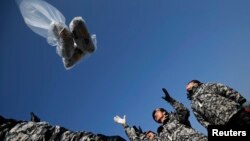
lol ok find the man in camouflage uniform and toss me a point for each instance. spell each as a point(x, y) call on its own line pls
point(174, 126)
point(135, 134)
point(215, 104)
point(182, 113)
point(16, 130)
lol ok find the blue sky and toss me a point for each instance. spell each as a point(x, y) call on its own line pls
point(143, 46)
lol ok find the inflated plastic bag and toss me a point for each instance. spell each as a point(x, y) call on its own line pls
point(48, 22)
point(39, 15)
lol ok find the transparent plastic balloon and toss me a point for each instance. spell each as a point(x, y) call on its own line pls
point(39, 15)
point(72, 44)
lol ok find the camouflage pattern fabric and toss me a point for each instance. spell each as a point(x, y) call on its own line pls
point(176, 128)
point(173, 130)
point(134, 135)
point(215, 103)
point(14, 130)
point(181, 112)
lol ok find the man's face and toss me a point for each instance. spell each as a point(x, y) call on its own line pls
point(190, 86)
point(150, 135)
point(158, 116)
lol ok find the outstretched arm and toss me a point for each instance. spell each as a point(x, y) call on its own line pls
point(133, 133)
point(181, 111)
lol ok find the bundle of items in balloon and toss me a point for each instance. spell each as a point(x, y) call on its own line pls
point(72, 43)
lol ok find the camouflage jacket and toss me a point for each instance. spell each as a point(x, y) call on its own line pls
point(135, 135)
point(14, 130)
point(173, 130)
point(181, 112)
point(215, 103)
point(176, 128)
